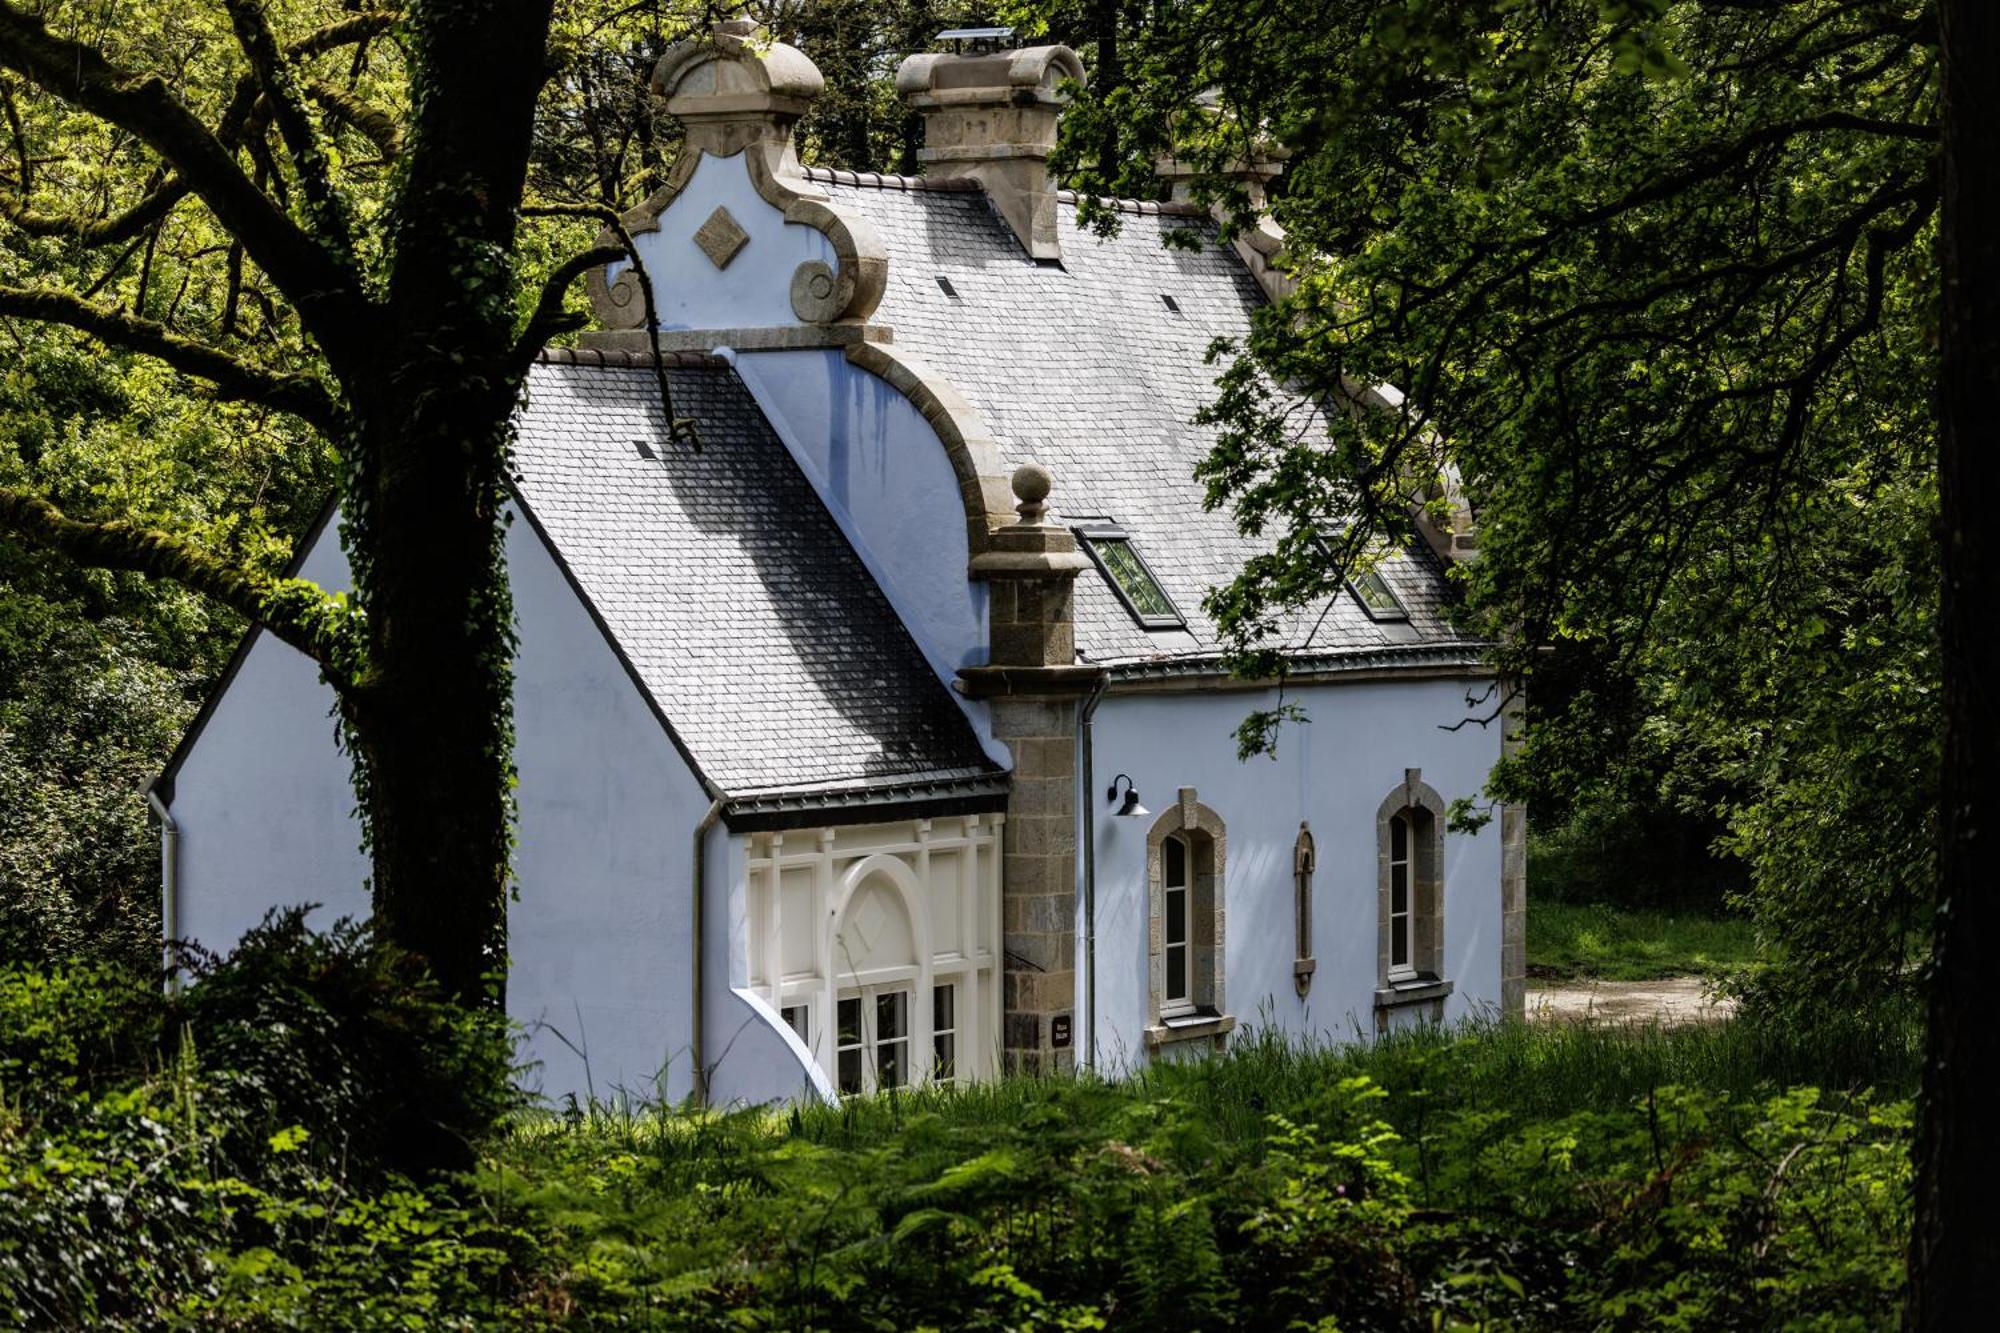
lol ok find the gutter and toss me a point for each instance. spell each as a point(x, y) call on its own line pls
point(698, 886)
point(1087, 833)
point(170, 878)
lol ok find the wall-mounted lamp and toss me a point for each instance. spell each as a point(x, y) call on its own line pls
point(1131, 805)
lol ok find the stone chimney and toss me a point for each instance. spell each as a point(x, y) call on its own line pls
point(1261, 248)
point(991, 117)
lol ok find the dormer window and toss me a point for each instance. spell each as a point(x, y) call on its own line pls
point(1372, 591)
point(1129, 575)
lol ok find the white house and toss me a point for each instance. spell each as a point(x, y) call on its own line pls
point(883, 738)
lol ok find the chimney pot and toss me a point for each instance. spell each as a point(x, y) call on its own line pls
point(991, 117)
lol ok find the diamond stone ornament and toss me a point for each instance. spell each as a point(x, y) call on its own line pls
point(721, 237)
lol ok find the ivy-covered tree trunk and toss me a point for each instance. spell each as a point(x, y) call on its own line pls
point(415, 314)
point(1955, 1248)
point(431, 724)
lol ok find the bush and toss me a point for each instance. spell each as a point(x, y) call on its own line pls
point(237, 1151)
point(347, 1038)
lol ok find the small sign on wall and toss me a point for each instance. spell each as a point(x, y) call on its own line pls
point(1059, 1031)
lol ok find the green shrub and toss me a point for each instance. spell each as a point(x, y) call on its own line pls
point(235, 1153)
point(344, 1036)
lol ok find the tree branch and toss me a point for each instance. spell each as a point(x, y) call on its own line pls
point(326, 207)
point(326, 291)
point(301, 395)
point(679, 429)
point(325, 628)
point(549, 318)
point(95, 231)
point(370, 122)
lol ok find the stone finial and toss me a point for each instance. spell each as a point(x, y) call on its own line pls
point(1031, 487)
point(735, 87)
point(992, 118)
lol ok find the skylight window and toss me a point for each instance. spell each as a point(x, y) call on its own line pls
point(1129, 575)
point(1372, 591)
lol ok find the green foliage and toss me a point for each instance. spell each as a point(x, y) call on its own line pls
point(1656, 282)
point(226, 1157)
point(1518, 1177)
point(195, 1156)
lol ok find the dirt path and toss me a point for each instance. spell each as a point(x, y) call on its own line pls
point(1676, 1000)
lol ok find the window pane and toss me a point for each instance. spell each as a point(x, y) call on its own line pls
point(1372, 591)
point(889, 1064)
point(795, 1018)
point(1399, 941)
point(892, 1015)
point(1177, 972)
point(943, 1004)
point(1177, 916)
point(1399, 839)
point(850, 1022)
point(1133, 578)
point(850, 1070)
point(1399, 889)
point(944, 1064)
point(1174, 851)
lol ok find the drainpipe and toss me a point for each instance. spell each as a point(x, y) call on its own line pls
point(1087, 813)
point(698, 881)
point(170, 878)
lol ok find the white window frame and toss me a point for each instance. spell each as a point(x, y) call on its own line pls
point(939, 1071)
point(1183, 948)
point(871, 1041)
point(1400, 923)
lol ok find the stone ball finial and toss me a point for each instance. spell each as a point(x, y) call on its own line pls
point(1032, 482)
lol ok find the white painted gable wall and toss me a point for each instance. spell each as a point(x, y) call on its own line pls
point(600, 936)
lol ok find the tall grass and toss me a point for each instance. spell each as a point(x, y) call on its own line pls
point(1631, 944)
point(1526, 1071)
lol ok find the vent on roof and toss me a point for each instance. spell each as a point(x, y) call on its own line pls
point(944, 285)
point(1129, 574)
point(1171, 303)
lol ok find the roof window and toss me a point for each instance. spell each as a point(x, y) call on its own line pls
point(944, 285)
point(1372, 591)
point(1129, 575)
point(1171, 304)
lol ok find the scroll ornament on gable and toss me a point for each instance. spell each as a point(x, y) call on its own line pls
point(735, 91)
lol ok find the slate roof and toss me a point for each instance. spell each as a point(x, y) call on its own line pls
point(1084, 368)
point(741, 608)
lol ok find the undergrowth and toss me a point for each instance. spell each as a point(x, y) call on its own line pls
point(229, 1158)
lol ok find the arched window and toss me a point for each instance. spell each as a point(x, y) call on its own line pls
point(1410, 835)
point(1303, 857)
point(1185, 857)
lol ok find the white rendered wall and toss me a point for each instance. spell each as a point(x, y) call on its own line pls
point(263, 800)
point(601, 936)
point(1333, 772)
point(756, 289)
point(889, 484)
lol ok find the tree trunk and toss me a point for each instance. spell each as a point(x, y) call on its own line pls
point(1109, 74)
point(432, 729)
point(1955, 1244)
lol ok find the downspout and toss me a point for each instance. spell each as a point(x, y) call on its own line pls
point(1087, 834)
point(699, 886)
point(170, 878)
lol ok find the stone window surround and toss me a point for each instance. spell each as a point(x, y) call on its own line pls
point(1206, 920)
point(1305, 859)
point(1424, 983)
